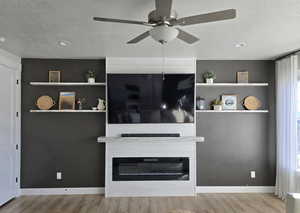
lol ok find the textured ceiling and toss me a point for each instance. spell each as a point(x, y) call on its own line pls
point(32, 28)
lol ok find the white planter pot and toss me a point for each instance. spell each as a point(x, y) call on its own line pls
point(218, 107)
point(91, 80)
point(209, 80)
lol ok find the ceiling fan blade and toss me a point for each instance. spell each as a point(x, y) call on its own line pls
point(163, 8)
point(209, 17)
point(139, 38)
point(188, 38)
point(121, 21)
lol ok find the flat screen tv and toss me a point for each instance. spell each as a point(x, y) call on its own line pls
point(150, 98)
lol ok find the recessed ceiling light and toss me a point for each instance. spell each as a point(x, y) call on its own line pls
point(64, 43)
point(241, 44)
point(2, 39)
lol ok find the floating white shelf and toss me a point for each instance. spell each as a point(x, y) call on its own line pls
point(235, 111)
point(66, 84)
point(232, 84)
point(150, 139)
point(89, 111)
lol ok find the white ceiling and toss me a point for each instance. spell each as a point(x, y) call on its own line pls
point(32, 28)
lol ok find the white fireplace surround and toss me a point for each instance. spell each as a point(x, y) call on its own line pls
point(150, 65)
point(150, 147)
point(183, 146)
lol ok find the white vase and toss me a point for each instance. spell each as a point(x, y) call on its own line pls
point(209, 80)
point(101, 104)
point(91, 80)
point(217, 107)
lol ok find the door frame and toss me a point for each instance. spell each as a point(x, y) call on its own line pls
point(18, 132)
point(13, 63)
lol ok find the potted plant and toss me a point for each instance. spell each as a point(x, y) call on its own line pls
point(209, 77)
point(91, 76)
point(217, 105)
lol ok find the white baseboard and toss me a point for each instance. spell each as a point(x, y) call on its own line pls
point(62, 191)
point(235, 189)
point(101, 190)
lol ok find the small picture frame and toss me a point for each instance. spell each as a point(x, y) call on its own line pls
point(67, 101)
point(54, 76)
point(229, 102)
point(242, 77)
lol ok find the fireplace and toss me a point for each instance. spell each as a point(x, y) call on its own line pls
point(150, 169)
point(150, 166)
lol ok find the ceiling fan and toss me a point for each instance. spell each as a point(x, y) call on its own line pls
point(164, 22)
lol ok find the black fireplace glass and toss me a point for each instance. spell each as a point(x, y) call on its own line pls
point(150, 168)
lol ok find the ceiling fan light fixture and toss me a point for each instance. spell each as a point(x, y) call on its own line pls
point(163, 33)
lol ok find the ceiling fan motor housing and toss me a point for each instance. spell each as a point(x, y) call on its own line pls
point(155, 18)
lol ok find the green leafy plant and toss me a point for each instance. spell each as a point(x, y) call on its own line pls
point(90, 74)
point(209, 74)
point(216, 102)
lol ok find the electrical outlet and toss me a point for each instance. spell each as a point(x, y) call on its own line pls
point(252, 174)
point(58, 175)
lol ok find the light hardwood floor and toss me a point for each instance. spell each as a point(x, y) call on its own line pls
point(203, 203)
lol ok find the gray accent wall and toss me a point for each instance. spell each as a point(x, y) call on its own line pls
point(64, 142)
point(235, 143)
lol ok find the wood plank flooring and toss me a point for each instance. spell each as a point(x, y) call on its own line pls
point(203, 203)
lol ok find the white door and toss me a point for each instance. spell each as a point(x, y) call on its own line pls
point(7, 134)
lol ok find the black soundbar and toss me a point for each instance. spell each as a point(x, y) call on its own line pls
point(151, 135)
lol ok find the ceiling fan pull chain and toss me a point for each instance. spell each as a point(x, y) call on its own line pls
point(163, 60)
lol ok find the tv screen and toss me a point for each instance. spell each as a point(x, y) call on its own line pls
point(150, 98)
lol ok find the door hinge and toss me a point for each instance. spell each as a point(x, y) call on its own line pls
point(17, 146)
point(17, 179)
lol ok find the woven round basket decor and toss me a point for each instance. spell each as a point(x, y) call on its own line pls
point(252, 103)
point(45, 102)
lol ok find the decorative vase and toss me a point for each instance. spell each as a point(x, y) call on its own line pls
point(91, 80)
point(209, 80)
point(101, 104)
point(80, 106)
point(217, 107)
point(200, 103)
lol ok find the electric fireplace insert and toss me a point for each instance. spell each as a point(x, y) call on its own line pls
point(150, 169)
